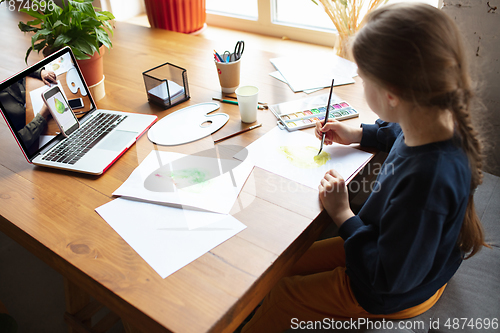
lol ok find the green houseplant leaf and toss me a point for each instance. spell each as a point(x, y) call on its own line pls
point(77, 24)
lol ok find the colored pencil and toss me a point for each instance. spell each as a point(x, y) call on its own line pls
point(224, 100)
point(261, 103)
point(218, 56)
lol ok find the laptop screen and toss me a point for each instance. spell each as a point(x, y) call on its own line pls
point(24, 108)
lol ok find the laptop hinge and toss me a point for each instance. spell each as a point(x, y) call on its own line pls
point(49, 147)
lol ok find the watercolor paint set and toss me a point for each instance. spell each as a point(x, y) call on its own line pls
point(308, 118)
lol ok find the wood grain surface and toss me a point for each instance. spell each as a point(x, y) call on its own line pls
point(51, 213)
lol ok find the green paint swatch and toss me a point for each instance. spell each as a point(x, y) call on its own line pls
point(304, 157)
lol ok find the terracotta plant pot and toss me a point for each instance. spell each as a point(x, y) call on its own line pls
point(93, 68)
point(185, 16)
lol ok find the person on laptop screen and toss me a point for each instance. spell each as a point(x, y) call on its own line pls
point(89, 143)
point(13, 99)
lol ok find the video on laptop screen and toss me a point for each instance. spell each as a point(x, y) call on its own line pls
point(23, 107)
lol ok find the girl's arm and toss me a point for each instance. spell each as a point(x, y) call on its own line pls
point(396, 244)
point(32, 131)
point(380, 135)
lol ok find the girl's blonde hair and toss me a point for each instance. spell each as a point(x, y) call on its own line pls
point(416, 52)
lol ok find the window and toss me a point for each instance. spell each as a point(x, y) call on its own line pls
point(302, 13)
point(246, 9)
point(297, 19)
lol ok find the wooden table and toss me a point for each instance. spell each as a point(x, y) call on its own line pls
point(51, 213)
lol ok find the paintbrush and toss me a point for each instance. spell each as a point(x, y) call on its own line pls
point(326, 116)
point(237, 133)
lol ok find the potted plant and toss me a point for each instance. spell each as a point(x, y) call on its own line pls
point(76, 24)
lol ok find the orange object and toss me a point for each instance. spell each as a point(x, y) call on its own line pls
point(93, 68)
point(185, 16)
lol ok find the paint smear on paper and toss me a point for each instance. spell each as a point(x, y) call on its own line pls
point(304, 157)
point(189, 177)
point(195, 173)
point(191, 180)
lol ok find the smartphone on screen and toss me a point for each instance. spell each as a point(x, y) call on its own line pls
point(60, 110)
point(76, 103)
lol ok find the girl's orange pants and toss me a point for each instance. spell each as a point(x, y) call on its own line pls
point(316, 289)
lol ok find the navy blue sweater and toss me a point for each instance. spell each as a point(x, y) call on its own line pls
point(402, 246)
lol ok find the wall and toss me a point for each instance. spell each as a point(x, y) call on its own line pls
point(96, 3)
point(122, 9)
point(479, 21)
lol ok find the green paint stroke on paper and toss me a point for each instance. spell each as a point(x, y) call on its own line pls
point(188, 177)
point(190, 180)
point(304, 157)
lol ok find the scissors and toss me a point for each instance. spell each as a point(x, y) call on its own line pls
point(238, 50)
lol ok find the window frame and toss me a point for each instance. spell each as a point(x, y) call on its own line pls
point(264, 25)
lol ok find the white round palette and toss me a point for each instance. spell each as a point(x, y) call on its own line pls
point(187, 125)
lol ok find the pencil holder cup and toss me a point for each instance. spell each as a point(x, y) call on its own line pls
point(229, 75)
point(166, 85)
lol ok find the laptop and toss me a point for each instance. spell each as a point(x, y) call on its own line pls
point(98, 140)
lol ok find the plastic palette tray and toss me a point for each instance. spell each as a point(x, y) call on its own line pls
point(308, 118)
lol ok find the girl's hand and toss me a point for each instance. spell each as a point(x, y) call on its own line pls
point(334, 198)
point(335, 131)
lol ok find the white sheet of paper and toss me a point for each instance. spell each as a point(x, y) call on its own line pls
point(160, 234)
point(160, 91)
point(315, 72)
point(277, 75)
point(291, 155)
point(190, 181)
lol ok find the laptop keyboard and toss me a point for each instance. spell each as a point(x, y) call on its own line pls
point(70, 150)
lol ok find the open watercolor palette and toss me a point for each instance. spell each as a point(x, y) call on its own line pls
point(308, 118)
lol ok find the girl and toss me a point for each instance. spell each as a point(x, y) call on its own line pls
point(394, 258)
